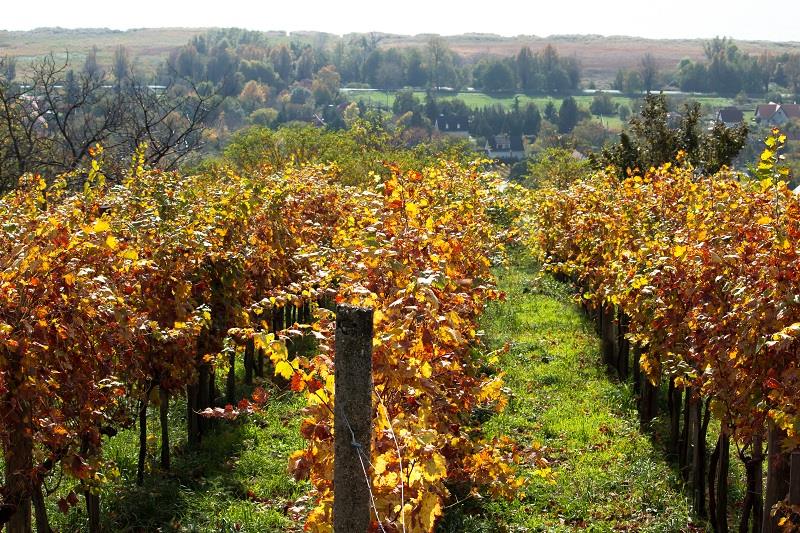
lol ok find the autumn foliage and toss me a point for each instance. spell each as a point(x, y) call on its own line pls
point(163, 280)
point(707, 271)
point(417, 249)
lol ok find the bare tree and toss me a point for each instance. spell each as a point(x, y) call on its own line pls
point(49, 123)
point(169, 120)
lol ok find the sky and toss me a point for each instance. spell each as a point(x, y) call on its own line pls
point(740, 19)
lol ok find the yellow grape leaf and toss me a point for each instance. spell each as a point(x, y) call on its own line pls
point(429, 224)
point(426, 369)
point(380, 464)
point(320, 519)
point(491, 391)
point(131, 254)
point(412, 209)
point(112, 242)
point(278, 351)
point(764, 220)
point(284, 369)
point(100, 225)
point(679, 251)
point(434, 468)
point(69, 279)
point(430, 509)
point(318, 397)
point(262, 341)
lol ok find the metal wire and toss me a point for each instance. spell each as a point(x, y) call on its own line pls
point(361, 453)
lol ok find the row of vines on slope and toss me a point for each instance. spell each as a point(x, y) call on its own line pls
point(417, 250)
point(703, 276)
point(164, 280)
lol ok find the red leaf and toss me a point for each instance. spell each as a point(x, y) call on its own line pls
point(297, 384)
point(314, 385)
point(259, 396)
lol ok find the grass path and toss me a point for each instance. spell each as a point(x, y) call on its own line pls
point(607, 476)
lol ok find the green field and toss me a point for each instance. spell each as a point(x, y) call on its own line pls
point(385, 99)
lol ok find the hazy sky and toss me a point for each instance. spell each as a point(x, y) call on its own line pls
point(742, 19)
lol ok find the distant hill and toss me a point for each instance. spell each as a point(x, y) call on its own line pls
point(150, 45)
point(600, 56)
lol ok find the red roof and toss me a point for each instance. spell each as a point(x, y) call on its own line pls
point(766, 110)
point(791, 110)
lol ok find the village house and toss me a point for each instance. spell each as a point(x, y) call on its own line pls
point(730, 116)
point(453, 125)
point(505, 146)
point(776, 114)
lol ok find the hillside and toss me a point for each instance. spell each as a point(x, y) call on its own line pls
point(149, 45)
point(600, 56)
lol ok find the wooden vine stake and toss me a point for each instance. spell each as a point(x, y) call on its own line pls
point(352, 419)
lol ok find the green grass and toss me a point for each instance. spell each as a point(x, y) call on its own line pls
point(607, 475)
point(385, 99)
point(236, 480)
point(476, 99)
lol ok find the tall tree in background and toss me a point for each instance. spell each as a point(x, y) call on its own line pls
point(550, 112)
point(281, 59)
point(121, 65)
point(649, 71)
point(9, 68)
point(525, 63)
point(567, 115)
point(497, 77)
point(90, 65)
point(441, 63)
point(652, 142)
point(254, 95)
point(791, 68)
point(325, 86)
point(416, 75)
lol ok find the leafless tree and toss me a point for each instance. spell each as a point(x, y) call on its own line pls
point(51, 120)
